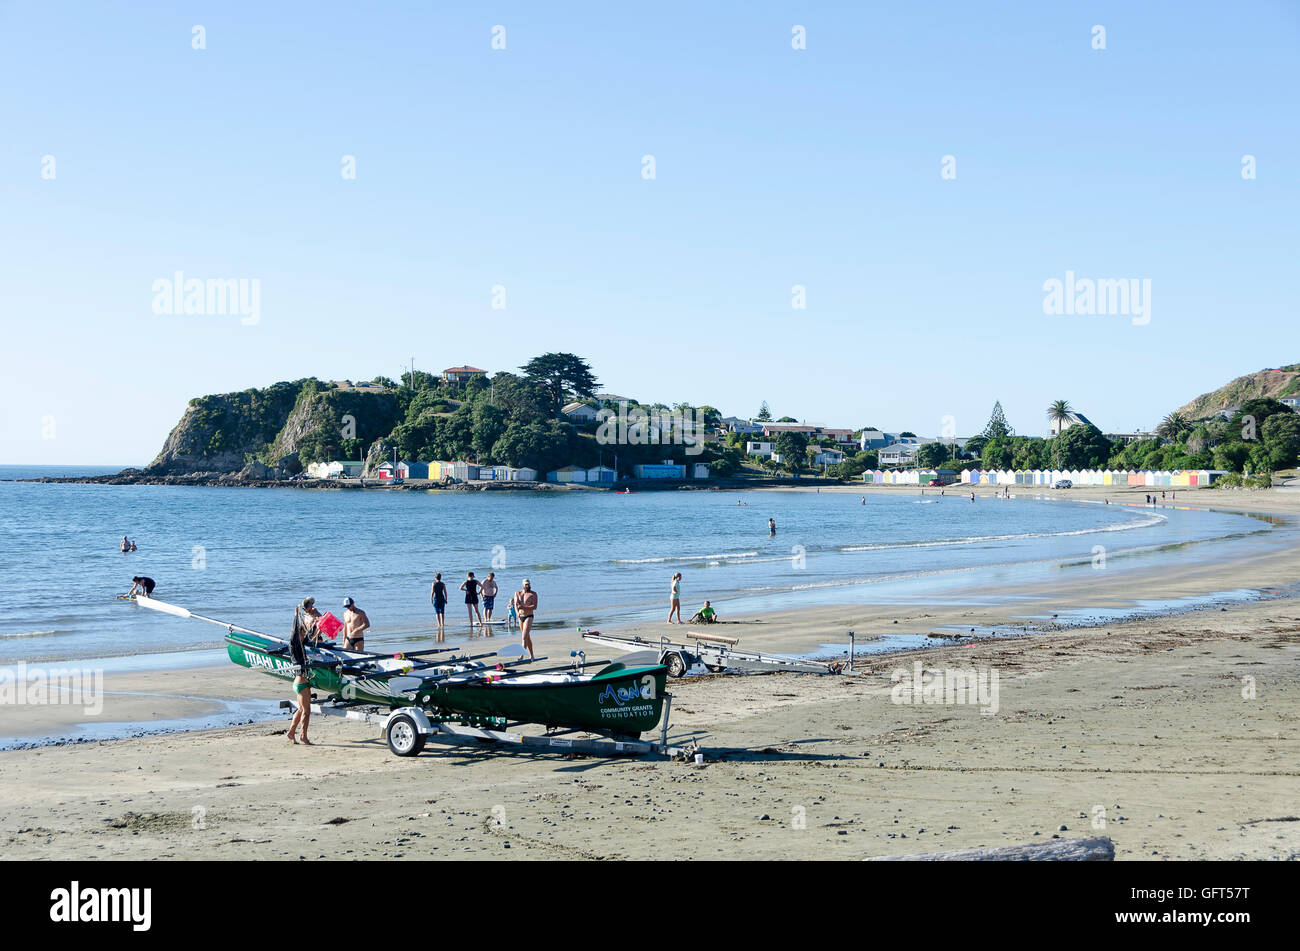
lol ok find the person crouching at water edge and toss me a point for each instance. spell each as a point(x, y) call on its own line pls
point(675, 599)
point(355, 624)
point(524, 603)
point(303, 627)
point(144, 585)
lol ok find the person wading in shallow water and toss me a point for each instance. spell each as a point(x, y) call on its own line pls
point(524, 602)
point(355, 625)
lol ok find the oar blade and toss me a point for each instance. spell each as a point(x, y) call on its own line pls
point(162, 606)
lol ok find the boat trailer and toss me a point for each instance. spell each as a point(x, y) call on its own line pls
point(714, 652)
point(407, 729)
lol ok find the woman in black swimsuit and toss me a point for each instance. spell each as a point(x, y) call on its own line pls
point(470, 587)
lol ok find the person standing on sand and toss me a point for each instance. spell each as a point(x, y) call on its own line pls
point(438, 598)
point(675, 602)
point(355, 623)
point(302, 675)
point(489, 591)
point(470, 587)
point(524, 603)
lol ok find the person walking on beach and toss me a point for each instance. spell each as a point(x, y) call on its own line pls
point(489, 591)
point(524, 603)
point(303, 626)
point(438, 598)
point(675, 602)
point(144, 585)
point(355, 624)
point(470, 587)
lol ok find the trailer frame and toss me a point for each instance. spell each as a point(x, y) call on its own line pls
point(714, 652)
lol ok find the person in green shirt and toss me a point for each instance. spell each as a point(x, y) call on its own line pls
point(705, 615)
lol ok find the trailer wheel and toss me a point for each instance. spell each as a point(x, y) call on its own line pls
point(404, 738)
point(676, 664)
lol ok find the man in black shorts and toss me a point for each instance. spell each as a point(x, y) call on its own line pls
point(144, 585)
point(438, 597)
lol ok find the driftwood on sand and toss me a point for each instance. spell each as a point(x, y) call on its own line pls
point(1098, 849)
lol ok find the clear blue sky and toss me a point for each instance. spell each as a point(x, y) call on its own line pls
point(522, 167)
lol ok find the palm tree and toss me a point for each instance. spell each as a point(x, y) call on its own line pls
point(1173, 426)
point(1059, 412)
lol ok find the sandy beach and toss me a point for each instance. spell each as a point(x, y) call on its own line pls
point(1174, 735)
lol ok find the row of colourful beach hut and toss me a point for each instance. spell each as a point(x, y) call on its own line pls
point(908, 476)
point(1121, 477)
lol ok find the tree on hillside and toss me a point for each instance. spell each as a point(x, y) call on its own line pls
point(559, 374)
point(787, 419)
point(997, 427)
point(764, 414)
point(1059, 412)
point(1173, 426)
point(933, 454)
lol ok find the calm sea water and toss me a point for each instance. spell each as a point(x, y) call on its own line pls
point(248, 555)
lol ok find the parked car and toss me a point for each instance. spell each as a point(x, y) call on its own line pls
point(938, 482)
point(1063, 484)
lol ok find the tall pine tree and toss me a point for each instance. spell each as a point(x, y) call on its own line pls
point(998, 427)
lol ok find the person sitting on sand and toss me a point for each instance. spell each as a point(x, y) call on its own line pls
point(355, 623)
point(705, 615)
point(144, 585)
point(302, 675)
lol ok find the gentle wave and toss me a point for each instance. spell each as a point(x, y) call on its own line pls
point(727, 556)
point(31, 634)
point(976, 539)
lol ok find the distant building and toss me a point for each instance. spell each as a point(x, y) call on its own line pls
point(1126, 438)
point(1292, 401)
point(759, 448)
point(1071, 419)
point(662, 471)
point(579, 412)
point(827, 457)
point(462, 374)
point(699, 470)
point(567, 474)
point(874, 439)
point(734, 424)
point(898, 454)
point(601, 474)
